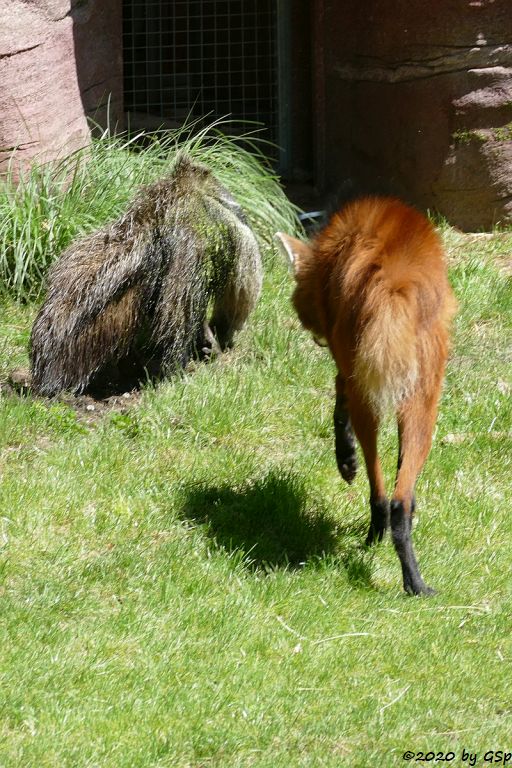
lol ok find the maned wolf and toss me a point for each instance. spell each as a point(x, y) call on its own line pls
point(373, 285)
point(133, 298)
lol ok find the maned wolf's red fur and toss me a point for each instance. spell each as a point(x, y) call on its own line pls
point(373, 284)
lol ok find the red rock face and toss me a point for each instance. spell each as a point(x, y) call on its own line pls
point(474, 186)
point(420, 94)
point(41, 111)
point(97, 33)
point(412, 92)
point(60, 60)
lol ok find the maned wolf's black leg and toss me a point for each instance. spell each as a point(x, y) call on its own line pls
point(379, 520)
point(380, 516)
point(401, 524)
point(345, 445)
point(366, 425)
point(416, 421)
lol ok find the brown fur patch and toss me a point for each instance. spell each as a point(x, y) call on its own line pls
point(133, 298)
point(375, 286)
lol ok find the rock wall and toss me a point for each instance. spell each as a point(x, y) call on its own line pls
point(97, 31)
point(419, 94)
point(416, 93)
point(59, 60)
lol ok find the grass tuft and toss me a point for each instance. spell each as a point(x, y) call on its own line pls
point(58, 202)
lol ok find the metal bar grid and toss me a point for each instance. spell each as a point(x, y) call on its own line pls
point(202, 58)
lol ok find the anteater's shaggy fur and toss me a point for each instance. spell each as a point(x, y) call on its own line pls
point(132, 299)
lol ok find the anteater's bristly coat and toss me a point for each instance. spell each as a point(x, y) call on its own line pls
point(135, 295)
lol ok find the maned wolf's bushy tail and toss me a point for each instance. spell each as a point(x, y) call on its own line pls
point(140, 288)
point(396, 286)
point(386, 361)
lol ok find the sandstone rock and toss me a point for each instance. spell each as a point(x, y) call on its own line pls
point(99, 59)
point(422, 98)
point(474, 186)
point(60, 61)
point(41, 111)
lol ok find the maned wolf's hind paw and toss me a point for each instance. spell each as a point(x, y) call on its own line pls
point(379, 520)
point(416, 587)
point(375, 534)
point(348, 468)
point(346, 457)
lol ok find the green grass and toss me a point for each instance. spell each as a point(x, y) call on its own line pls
point(56, 203)
point(182, 583)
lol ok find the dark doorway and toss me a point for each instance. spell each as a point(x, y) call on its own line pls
point(202, 59)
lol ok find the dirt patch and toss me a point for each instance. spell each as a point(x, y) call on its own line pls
point(88, 409)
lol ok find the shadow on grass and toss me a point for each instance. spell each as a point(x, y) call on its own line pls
point(276, 523)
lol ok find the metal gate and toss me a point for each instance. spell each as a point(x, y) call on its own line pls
point(202, 58)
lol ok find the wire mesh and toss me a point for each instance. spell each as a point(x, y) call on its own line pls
point(202, 57)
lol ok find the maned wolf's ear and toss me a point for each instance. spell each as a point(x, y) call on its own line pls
point(297, 251)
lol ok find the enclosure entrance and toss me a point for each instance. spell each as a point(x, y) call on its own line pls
point(200, 59)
